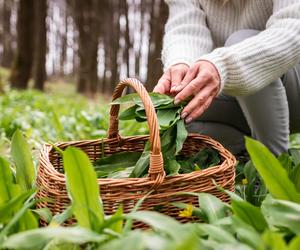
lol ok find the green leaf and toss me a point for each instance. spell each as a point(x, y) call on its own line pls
point(295, 155)
point(273, 240)
point(158, 222)
point(157, 99)
point(142, 164)
point(294, 243)
point(44, 213)
point(58, 219)
point(23, 218)
point(166, 117)
point(273, 174)
point(212, 208)
point(181, 135)
point(246, 234)
point(216, 233)
point(287, 162)
point(117, 161)
point(7, 209)
point(171, 166)
point(117, 225)
point(21, 155)
point(249, 214)
point(282, 213)
point(8, 189)
point(295, 177)
point(83, 187)
point(128, 114)
point(37, 238)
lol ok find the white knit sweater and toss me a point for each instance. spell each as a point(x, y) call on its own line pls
point(198, 29)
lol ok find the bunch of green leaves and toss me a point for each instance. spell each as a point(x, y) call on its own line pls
point(238, 225)
point(55, 116)
point(173, 134)
point(17, 181)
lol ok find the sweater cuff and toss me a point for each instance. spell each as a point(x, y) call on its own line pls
point(219, 64)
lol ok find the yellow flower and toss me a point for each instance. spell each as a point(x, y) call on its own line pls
point(187, 212)
point(245, 181)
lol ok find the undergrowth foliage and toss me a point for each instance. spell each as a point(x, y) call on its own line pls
point(263, 214)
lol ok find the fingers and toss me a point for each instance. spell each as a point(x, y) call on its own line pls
point(196, 102)
point(190, 75)
point(177, 74)
point(191, 89)
point(164, 84)
point(199, 110)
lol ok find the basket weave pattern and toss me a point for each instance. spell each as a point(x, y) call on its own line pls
point(52, 183)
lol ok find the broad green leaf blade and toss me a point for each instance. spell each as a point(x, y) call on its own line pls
point(273, 174)
point(21, 155)
point(44, 213)
point(216, 233)
point(58, 219)
point(212, 208)
point(83, 188)
point(157, 99)
point(273, 240)
point(181, 135)
point(295, 155)
point(18, 216)
point(246, 234)
point(166, 117)
point(128, 114)
point(142, 164)
point(8, 189)
point(8, 208)
point(117, 161)
point(249, 214)
point(37, 238)
point(158, 222)
point(282, 213)
point(294, 243)
point(117, 225)
point(295, 177)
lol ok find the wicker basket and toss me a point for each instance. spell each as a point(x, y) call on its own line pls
point(52, 183)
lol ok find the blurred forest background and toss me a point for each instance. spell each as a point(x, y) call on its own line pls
point(91, 43)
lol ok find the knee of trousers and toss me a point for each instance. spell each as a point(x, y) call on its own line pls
point(240, 35)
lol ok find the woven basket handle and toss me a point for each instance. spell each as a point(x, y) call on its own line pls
point(156, 170)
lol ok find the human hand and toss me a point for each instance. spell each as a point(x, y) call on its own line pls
point(202, 83)
point(171, 78)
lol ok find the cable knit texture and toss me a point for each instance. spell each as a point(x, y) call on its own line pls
point(198, 29)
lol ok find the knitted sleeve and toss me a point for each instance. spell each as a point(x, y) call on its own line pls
point(250, 65)
point(186, 34)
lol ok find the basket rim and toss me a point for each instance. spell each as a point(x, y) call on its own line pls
point(229, 161)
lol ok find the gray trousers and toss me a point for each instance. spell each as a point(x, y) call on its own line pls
point(269, 115)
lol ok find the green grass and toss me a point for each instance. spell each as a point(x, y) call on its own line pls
point(58, 114)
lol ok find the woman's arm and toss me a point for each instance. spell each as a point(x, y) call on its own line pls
point(250, 65)
point(186, 34)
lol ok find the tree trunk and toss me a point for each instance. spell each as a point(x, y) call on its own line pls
point(115, 46)
point(40, 44)
point(126, 52)
point(87, 21)
point(21, 70)
point(7, 56)
point(157, 23)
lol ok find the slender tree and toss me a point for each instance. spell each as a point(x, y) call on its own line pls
point(39, 73)
point(157, 21)
point(7, 55)
point(87, 21)
point(23, 60)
